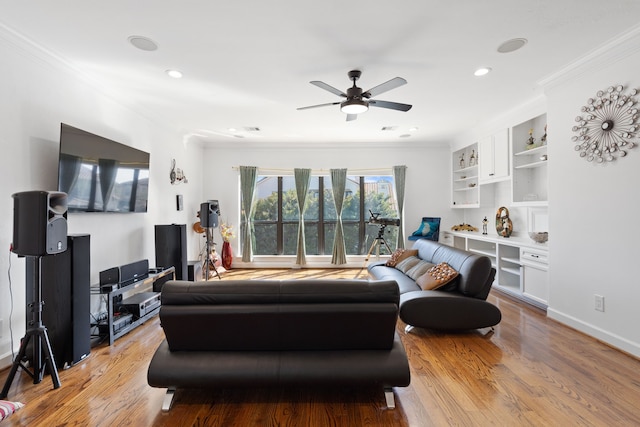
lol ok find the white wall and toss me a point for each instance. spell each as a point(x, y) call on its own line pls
point(427, 186)
point(594, 208)
point(37, 93)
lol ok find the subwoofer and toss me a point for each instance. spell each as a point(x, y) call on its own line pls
point(171, 248)
point(39, 223)
point(66, 286)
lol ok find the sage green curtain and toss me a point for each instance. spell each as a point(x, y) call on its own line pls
point(399, 176)
point(303, 180)
point(338, 185)
point(248, 176)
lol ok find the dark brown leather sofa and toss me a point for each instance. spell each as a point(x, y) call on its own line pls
point(263, 333)
point(456, 306)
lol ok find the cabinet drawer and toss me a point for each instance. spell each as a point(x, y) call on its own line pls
point(534, 257)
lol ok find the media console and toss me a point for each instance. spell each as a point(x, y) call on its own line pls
point(134, 310)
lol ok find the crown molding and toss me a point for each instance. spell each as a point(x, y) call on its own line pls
point(612, 51)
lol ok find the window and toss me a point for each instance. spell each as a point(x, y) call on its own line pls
point(276, 214)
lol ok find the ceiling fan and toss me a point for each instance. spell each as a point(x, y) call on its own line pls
point(358, 101)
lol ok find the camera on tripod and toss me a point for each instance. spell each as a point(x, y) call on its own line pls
point(375, 219)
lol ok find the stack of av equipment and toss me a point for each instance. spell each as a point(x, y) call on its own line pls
point(65, 279)
point(140, 304)
point(171, 248)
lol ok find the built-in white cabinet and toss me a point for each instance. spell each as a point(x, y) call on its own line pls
point(494, 157)
point(529, 176)
point(521, 264)
point(535, 282)
point(465, 192)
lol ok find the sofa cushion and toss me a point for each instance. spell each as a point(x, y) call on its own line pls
point(399, 255)
point(437, 276)
point(419, 269)
point(407, 264)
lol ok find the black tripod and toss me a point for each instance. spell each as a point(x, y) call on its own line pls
point(377, 242)
point(37, 331)
point(209, 263)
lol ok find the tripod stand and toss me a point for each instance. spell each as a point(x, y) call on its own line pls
point(377, 241)
point(209, 263)
point(38, 332)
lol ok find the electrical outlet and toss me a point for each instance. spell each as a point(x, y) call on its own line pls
point(599, 302)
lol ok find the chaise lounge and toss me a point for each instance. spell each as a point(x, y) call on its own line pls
point(458, 305)
point(268, 333)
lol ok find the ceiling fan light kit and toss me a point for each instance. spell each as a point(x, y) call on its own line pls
point(358, 101)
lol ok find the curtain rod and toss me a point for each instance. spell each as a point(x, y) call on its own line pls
point(290, 170)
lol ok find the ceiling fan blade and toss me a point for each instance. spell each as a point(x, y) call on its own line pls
point(319, 105)
point(390, 105)
point(384, 87)
point(351, 117)
point(323, 85)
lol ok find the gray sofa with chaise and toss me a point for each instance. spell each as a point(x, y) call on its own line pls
point(264, 333)
point(458, 305)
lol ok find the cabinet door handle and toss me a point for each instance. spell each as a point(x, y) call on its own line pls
point(491, 174)
point(535, 256)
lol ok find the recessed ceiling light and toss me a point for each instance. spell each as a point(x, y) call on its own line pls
point(512, 45)
point(413, 129)
point(174, 73)
point(232, 129)
point(482, 71)
point(143, 43)
point(404, 135)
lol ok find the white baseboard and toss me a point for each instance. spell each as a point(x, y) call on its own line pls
point(607, 337)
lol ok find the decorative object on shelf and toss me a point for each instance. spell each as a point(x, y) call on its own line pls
point(485, 222)
point(226, 231)
point(472, 158)
point(504, 226)
point(607, 125)
point(176, 175)
point(543, 158)
point(531, 141)
point(538, 236)
point(543, 138)
point(464, 227)
point(472, 184)
point(462, 161)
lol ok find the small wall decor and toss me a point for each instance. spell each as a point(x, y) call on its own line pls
point(176, 175)
point(504, 226)
point(607, 125)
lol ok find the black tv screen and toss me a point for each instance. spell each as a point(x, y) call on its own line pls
point(101, 175)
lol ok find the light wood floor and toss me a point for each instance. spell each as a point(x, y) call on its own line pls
point(531, 371)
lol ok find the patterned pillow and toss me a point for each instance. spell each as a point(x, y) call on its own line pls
point(7, 408)
point(400, 254)
point(437, 276)
point(427, 229)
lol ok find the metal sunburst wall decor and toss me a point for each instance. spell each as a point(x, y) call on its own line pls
point(607, 125)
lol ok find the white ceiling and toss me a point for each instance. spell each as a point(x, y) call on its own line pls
point(248, 63)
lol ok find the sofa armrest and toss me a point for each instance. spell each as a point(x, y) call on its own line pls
point(447, 311)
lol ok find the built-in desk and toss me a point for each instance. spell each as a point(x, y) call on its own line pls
point(114, 328)
point(520, 263)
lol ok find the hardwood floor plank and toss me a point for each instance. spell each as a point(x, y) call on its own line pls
point(531, 371)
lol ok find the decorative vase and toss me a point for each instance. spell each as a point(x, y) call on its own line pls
point(504, 226)
point(227, 255)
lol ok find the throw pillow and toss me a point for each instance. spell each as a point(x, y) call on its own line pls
point(426, 230)
point(437, 276)
point(419, 269)
point(7, 408)
point(400, 254)
point(407, 264)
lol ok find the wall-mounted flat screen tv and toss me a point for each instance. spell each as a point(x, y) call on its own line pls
point(101, 175)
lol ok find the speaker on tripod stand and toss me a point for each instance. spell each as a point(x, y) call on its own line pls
point(39, 229)
point(209, 212)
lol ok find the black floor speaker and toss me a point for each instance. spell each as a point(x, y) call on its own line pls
point(171, 248)
point(65, 283)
